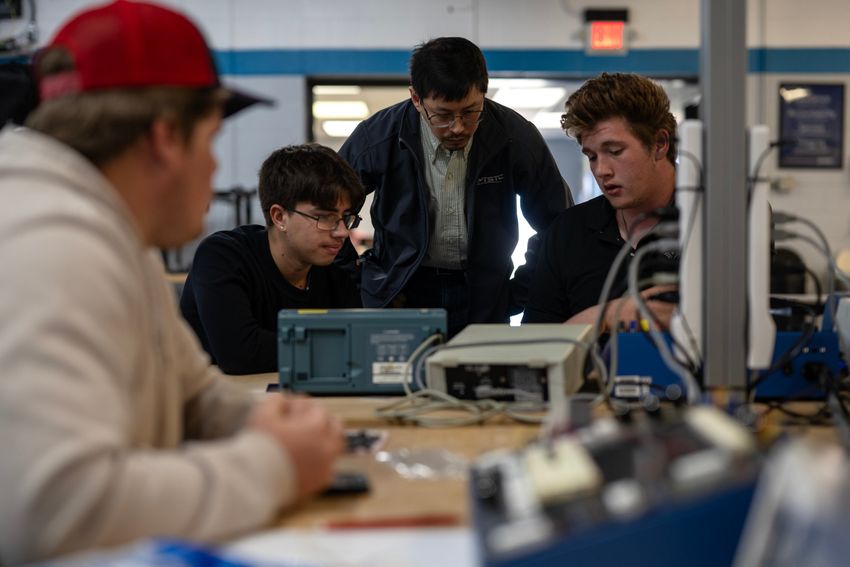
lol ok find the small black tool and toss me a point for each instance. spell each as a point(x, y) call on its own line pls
point(364, 440)
point(347, 483)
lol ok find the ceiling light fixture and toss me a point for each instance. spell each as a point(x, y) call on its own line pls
point(339, 128)
point(340, 109)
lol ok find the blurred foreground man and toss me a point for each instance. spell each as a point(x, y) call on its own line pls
point(112, 424)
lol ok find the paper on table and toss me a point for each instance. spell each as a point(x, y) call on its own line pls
point(446, 547)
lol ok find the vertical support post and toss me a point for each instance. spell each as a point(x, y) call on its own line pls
point(723, 71)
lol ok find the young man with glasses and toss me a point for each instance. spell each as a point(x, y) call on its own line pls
point(241, 278)
point(446, 168)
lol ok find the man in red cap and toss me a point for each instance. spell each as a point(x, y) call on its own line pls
point(112, 424)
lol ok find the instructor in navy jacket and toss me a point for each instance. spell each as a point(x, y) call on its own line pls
point(446, 168)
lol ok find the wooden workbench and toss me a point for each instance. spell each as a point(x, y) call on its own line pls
point(392, 495)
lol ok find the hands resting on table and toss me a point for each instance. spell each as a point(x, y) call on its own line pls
point(307, 431)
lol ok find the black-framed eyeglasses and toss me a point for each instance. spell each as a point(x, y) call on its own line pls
point(330, 222)
point(447, 119)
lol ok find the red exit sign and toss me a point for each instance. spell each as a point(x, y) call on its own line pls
point(607, 36)
point(606, 31)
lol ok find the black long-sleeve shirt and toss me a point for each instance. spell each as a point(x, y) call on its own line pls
point(234, 291)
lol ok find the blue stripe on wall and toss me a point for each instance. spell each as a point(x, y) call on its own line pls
point(802, 60)
point(312, 62)
point(656, 62)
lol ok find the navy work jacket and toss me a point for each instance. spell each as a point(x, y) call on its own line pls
point(508, 158)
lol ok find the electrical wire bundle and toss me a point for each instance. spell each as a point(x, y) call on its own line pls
point(821, 245)
point(835, 409)
point(827, 384)
point(686, 369)
point(835, 388)
point(418, 406)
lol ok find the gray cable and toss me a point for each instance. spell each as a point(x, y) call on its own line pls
point(415, 406)
point(834, 270)
point(615, 340)
point(693, 389)
point(827, 254)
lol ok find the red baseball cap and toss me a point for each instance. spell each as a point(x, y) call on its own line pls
point(128, 44)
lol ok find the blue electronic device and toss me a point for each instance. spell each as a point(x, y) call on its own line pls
point(703, 532)
point(671, 489)
point(351, 351)
point(639, 365)
point(794, 381)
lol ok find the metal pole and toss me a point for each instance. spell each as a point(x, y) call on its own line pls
point(723, 71)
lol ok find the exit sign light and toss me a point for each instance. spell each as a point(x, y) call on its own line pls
point(607, 36)
point(606, 32)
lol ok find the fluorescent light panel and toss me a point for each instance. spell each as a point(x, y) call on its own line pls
point(332, 90)
point(340, 109)
point(540, 97)
point(547, 120)
point(339, 128)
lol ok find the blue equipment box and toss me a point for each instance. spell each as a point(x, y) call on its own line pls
point(666, 493)
point(351, 351)
point(704, 532)
point(637, 356)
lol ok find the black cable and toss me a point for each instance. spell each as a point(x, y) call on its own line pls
point(808, 308)
point(756, 175)
point(834, 409)
point(819, 417)
point(794, 350)
point(684, 359)
point(697, 164)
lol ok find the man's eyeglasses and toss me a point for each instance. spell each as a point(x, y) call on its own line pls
point(330, 222)
point(447, 119)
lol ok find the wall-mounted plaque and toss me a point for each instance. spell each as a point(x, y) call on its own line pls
point(811, 125)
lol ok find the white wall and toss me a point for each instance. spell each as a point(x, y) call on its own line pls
point(263, 24)
point(823, 196)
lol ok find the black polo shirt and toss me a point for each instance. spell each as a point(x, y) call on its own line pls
point(574, 258)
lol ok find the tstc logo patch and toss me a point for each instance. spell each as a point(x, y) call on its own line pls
point(490, 179)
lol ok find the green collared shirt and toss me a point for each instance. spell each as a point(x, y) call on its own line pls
point(445, 174)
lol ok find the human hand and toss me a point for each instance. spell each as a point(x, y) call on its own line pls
point(624, 311)
point(311, 436)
